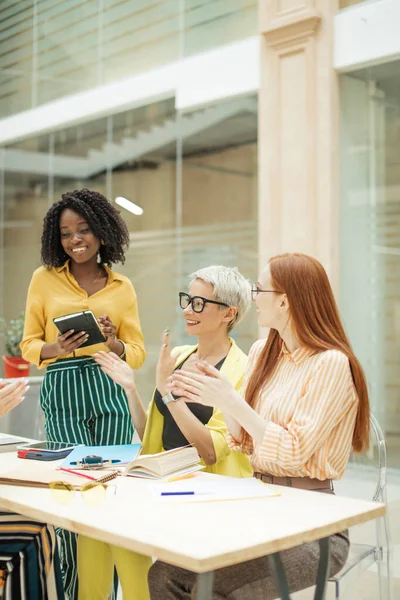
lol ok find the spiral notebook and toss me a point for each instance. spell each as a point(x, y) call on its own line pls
point(39, 477)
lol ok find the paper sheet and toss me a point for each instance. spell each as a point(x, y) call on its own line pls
point(210, 489)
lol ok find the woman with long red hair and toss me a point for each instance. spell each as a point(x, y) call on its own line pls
point(305, 407)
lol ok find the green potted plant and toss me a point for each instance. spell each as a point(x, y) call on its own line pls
point(14, 364)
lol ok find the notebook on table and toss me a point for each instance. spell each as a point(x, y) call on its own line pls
point(40, 475)
point(81, 321)
point(172, 463)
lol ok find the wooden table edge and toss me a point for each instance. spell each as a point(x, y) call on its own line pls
point(198, 565)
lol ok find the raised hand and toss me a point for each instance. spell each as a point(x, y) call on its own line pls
point(116, 368)
point(12, 394)
point(165, 365)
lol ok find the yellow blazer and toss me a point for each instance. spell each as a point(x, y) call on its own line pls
point(232, 463)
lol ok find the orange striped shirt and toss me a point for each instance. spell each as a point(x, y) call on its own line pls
point(310, 406)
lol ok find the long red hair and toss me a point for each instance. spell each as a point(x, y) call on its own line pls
point(317, 325)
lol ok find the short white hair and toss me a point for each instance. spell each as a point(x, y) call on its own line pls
point(229, 287)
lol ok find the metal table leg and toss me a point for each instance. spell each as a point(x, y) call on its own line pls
point(322, 574)
point(323, 569)
point(204, 586)
point(280, 574)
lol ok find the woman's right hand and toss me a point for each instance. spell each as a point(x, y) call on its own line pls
point(12, 394)
point(70, 341)
point(116, 368)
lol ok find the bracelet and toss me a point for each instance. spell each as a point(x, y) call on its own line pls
point(123, 355)
point(169, 398)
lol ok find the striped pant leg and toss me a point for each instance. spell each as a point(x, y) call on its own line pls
point(112, 423)
point(68, 418)
point(67, 415)
point(28, 560)
point(112, 419)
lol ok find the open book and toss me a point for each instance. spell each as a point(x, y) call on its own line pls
point(171, 463)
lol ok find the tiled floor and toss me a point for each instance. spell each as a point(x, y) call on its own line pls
point(360, 483)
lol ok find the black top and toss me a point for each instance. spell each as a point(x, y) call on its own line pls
point(172, 436)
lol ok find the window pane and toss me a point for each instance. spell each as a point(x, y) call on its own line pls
point(370, 234)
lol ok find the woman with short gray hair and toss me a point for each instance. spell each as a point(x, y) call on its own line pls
point(229, 286)
point(218, 298)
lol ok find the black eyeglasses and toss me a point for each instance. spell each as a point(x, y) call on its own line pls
point(198, 302)
point(256, 290)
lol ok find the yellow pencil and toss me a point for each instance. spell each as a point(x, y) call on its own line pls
point(179, 477)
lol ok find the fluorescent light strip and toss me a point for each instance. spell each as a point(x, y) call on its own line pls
point(128, 205)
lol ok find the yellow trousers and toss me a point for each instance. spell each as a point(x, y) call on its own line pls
point(96, 561)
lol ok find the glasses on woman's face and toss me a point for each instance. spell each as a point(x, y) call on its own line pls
point(255, 290)
point(198, 302)
point(93, 493)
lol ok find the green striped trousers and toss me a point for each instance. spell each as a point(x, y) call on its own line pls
point(81, 404)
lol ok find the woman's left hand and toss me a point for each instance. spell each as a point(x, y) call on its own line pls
point(165, 365)
point(206, 386)
point(108, 329)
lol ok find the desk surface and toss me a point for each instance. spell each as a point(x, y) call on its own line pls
point(197, 536)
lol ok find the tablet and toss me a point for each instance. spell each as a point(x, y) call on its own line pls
point(48, 446)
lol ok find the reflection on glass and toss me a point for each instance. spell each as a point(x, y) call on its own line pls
point(62, 48)
point(370, 234)
point(219, 196)
point(25, 204)
point(212, 24)
point(67, 39)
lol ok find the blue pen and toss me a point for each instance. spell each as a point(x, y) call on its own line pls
point(177, 493)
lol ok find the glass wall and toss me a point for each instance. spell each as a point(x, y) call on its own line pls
point(370, 234)
point(50, 49)
point(194, 175)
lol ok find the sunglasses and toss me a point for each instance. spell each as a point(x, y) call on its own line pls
point(198, 302)
point(93, 493)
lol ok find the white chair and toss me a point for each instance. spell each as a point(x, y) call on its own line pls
point(362, 556)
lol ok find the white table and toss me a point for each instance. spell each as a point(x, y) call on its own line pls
point(180, 534)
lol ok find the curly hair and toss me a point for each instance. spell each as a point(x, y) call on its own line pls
point(103, 219)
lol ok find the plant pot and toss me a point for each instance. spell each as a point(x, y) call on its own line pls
point(15, 366)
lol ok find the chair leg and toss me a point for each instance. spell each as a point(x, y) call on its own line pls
point(378, 557)
point(388, 557)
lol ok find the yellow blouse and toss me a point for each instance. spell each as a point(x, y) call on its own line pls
point(310, 406)
point(234, 464)
point(55, 292)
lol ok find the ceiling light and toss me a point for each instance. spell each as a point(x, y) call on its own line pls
point(128, 205)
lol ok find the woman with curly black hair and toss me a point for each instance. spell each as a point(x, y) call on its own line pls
point(83, 236)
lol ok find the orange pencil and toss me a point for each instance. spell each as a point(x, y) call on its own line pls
point(179, 477)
